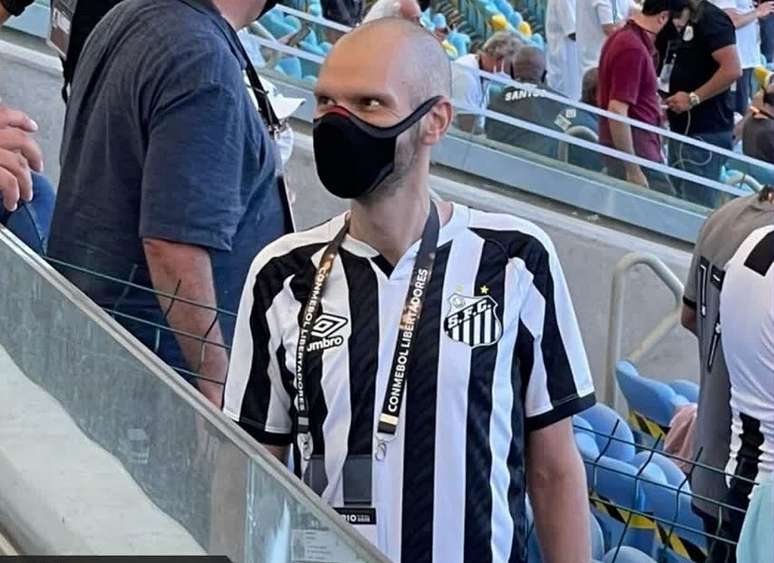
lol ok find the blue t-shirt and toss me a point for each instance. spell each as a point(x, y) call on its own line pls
point(161, 140)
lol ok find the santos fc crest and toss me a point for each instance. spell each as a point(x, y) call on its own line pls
point(473, 320)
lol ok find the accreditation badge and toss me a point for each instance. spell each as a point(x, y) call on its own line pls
point(62, 12)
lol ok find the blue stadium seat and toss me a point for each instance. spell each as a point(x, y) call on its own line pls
point(439, 21)
point(674, 475)
point(276, 24)
point(515, 19)
point(652, 404)
point(615, 482)
point(688, 389)
point(291, 66)
point(460, 41)
point(582, 426)
point(293, 22)
point(606, 421)
point(678, 542)
point(627, 555)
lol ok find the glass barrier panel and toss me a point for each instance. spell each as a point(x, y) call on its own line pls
point(109, 416)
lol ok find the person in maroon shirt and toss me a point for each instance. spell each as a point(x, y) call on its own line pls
point(628, 86)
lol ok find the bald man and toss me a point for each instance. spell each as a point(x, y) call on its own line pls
point(421, 359)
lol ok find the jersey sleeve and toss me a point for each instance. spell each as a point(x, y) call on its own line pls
point(555, 377)
point(718, 30)
point(689, 291)
point(567, 18)
point(255, 395)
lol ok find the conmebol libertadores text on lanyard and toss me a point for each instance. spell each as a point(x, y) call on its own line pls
point(409, 321)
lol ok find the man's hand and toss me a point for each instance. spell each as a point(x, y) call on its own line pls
point(19, 154)
point(679, 103)
point(764, 9)
point(635, 175)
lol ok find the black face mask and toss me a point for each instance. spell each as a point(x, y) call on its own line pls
point(352, 156)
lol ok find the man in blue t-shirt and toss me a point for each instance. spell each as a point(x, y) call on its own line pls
point(168, 176)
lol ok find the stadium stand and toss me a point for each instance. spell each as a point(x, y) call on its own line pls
point(639, 498)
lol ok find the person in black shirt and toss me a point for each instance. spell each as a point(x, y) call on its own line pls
point(699, 63)
point(531, 106)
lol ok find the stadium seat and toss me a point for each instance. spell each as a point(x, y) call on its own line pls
point(291, 66)
point(276, 24)
point(627, 555)
point(677, 542)
point(294, 22)
point(605, 421)
point(616, 489)
point(674, 475)
point(688, 389)
point(652, 404)
point(461, 42)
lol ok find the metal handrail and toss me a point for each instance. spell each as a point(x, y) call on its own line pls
point(615, 326)
point(666, 133)
point(550, 133)
point(580, 131)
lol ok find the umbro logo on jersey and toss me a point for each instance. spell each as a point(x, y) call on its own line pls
point(473, 320)
point(324, 328)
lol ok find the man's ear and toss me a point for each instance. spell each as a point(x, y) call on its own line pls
point(437, 122)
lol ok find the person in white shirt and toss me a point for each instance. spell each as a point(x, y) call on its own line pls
point(595, 20)
point(407, 9)
point(745, 17)
point(747, 334)
point(470, 91)
point(562, 51)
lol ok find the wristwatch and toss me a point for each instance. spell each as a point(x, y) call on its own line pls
point(693, 99)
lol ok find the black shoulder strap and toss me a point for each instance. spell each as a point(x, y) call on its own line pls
point(264, 106)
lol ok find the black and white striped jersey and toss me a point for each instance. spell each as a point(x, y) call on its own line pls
point(747, 320)
point(498, 353)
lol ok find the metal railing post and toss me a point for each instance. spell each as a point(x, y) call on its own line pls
point(615, 324)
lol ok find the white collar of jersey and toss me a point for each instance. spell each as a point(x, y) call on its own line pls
point(457, 223)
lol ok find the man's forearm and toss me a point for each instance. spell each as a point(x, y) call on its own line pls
point(561, 509)
point(621, 134)
point(719, 83)
point(186, 271)
point(741, 20)
point(4, 14)
point(729, 71)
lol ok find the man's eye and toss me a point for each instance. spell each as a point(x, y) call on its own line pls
point(324, 101)
point(370, 103)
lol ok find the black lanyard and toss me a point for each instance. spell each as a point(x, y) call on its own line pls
point(409, 321)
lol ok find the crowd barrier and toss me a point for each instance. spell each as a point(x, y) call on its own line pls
point(639, 498)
